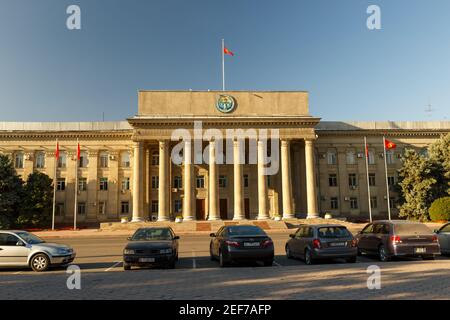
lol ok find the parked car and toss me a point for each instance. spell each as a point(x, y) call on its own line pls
point(151, 246)
point(398, 238)
point(443, 235)
point(22, 249)
point(321, 241)
point(240, 243)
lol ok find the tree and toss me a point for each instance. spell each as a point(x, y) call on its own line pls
point(440, 158)
point(36, 210)
point(440, 209)
point(10, 193)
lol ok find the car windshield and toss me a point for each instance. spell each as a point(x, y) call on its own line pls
point(333, 232)
point(30, 238)
point(152, 234)
point(411, 228)
point(245, 230)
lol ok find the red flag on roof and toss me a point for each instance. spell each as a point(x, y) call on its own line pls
point(226, 51)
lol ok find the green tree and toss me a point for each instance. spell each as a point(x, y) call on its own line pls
point(440, 159)
point(440, 209)
point(36, 209)
point(11, 194)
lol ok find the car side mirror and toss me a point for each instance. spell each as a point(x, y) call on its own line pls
point(212, 235)
point(176, 238)
point(129, 238)
point(20, 243)
point(292, 235)
point(436, 231)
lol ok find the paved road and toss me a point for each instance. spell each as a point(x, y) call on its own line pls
point(196, 277)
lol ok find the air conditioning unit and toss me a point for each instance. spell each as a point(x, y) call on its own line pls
point(111, 157)
point(353, 187)
point(123, 191)
point(381, 155)
point(347, 198)
point(360, 155)
point(27, 157)
point(323, 155)
point(385, 197)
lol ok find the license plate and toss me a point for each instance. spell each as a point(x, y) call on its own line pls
point(420, 250)
point(251, 244)
point(337, 244)
point(146, 259)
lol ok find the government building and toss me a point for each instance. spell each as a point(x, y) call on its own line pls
point(127, 168)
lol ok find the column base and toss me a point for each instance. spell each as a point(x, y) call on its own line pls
point(163, 219)
point(137, 219)
point(312, 216)
point(263, 217)
point(239, 218)
point(189, 218)
point(288, 216)
point(214, 219)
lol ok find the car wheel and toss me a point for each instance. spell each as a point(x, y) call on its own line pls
point(222, 261)
point(126, 266)
point(308, 257)
point(351, 260)
point(288, 252)
point(382, 254)
point(268, 263)
point(40, 262)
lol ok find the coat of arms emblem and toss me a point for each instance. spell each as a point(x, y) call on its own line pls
point(225, 103)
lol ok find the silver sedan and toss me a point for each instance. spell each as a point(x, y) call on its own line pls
point(444, 238)
point(24, 249)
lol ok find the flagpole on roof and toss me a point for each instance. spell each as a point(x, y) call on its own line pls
point(366, 152)
point(54, 184)
point(387, 181)
point(223, 64)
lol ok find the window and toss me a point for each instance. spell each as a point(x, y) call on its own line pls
point(390, 159)
point(9, 240)
point(222, 181)
point(350, 156)
point(372, 179)
point(334, 203)
point(331, 157)
point(154, 206)
point(368, 229)
point(82, 184)
point(269, 181)
point(124, 207)
point(353, 203)
point(125, 159)
point(332, 180)
point(126, 184)
point(155, 158)
point(62, 160)
point(40, 160)
point(81, 208)
point(155, 182)
point(103, 184)
point(391, 181)
point(200, 181)
point(61, 184)
point(83, 162)
point(392, 203)
point(178, 206)
point(18, 162)
point(245, 180)
point(102, 207)
point(371, 157)
point(373, 202)
point(60, 209)
point(177, 182)
point(352, 182)
point(103, 160)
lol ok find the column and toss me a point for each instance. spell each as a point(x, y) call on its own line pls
point(137, 181)
point(163, 192)
point(310, 180)
point(213, 187)
point(286, 179)
point(238, 182)
point(263, 213)
point(188, 190)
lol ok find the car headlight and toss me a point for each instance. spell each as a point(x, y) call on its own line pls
point(128, 251)
point(165, 251)
point(62, 251)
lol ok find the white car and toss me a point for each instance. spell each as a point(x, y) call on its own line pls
point(22, 249)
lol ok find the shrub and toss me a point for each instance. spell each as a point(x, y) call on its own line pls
point(440, 209)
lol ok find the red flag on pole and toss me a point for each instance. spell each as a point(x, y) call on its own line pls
point(226, 51)
point(57, 151)
point(78, 152)
point(389, 144)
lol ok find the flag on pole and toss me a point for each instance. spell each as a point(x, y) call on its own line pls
point(389, 144)
point(54, 184)
point(227, 51)
point(366, 147)
point(57, 151)
point(78, 152)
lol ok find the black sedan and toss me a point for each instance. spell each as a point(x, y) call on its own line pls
point(151, 246)
point(241, 243)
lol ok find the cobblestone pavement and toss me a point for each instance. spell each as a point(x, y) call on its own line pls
point(196, 277)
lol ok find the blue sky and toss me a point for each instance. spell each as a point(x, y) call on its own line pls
point(49, 73)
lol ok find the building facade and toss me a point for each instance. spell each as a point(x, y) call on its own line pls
point(128, 168)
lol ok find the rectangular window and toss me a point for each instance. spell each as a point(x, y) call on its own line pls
point(155, 182)
point(154, 206)
point(155, 158)
point(269, 181)
point(373, 202)
point(352, 182)
point(245, 180)
point(350, 156)
point(392, 203)
point(391, 181)
point(60, 212)
point(102, 208)
point(61, 184)
point(390, 159)
point(372, 181)
point(332, 180)
point(124, 207)
point(103, 160)
point(83, 162)
point(62, 160)
point(178, 206)
point(126, 184)
point(103, 184)
point(371, 157)
point(222, 181)
point(125, 159)
point(353, 203)
point(200, 181)
point(82, 184)
point(334, 203)
point(331, 157)
point(81, 208)
point(177, 182)
point(40, 160)
point(18, 163)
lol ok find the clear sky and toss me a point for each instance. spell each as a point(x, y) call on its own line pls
point(50, 73)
